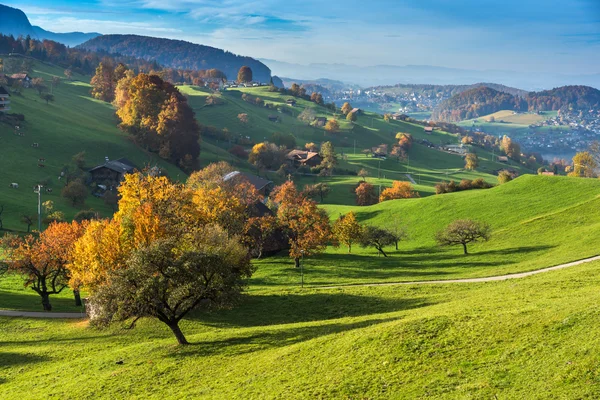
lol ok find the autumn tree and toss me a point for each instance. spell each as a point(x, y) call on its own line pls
point(68, 73)
point(43, 261)
point(471, 161)
point(365, 194)
point(399, 190)
point(266, 156)
point(504, 176)
point(243, 118)
point(306, 226)
point(347, 230)
point(328, 156)
point(378, 238)
point(363, 173)
point(244, 74)
point(584, 165)
point(158, 257)
point(54, 83)
point(47, 97)
point(159, 118)
point(351, 117)
point(307, 115)
point(463, 232)
point(311, 147)
point(39, 85)
point(346, 108)
point(332, 126)
point(257, 231)
point(510, 148)
point(103, 82)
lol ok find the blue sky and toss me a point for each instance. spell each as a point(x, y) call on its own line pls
point(521, 35)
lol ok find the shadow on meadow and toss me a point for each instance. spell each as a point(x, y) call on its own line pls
point(273, 309)
point(14, 359)
point(271, 338)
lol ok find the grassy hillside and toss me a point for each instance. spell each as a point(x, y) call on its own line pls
point(514, 125)
point(425, 165)
point(536, 222)
point(74, 122)
point(531, 338)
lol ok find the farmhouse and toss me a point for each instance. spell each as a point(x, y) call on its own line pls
point(380, 151)
point(320, 121)
point(291, 102)
point(428, 130)
point(24, 78)
point(399, 117)
point(273, 118)
point(356, 111)
point(112, 172)
point(4, 100)
point(263, 186)
point(304, 158)
point(458, 149)
point(502, 159)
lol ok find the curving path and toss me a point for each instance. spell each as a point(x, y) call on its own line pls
point(470, 280)
point(35, 314)
point(31, 314)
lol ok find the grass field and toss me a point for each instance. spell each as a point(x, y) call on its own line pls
point(508, 123)
point(531, 338)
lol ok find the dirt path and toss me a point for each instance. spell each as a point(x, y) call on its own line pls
point(31, 314)
point(469, 280)
point(410, 178)
point(35, 314)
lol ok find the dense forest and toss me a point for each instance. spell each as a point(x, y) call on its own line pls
point(482, 101)
point(178, 54)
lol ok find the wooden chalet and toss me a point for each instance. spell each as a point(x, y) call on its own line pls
point(263, 186)
point(112, 172)
point(301, 158)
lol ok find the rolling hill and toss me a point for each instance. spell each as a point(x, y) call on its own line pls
point(178, 54)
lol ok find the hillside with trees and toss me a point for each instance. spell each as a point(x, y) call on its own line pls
point(178, 54)
point(482, 101)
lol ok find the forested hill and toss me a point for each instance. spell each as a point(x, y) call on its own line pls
point(474, 103)
point(444, 90)
point(178, 54)
point(565, 97)
point(484, 100)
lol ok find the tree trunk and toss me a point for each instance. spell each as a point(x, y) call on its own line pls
point(297, 262)
point(381, 251)
point(396, 245)
point(177, 332)
point(46, 302)
point(349, 248)
point(465, 248)
point(77, 297)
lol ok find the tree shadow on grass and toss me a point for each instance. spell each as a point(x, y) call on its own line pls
point(273, 309)
point(271, 338)
point(8, 359)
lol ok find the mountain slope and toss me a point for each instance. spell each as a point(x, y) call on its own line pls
point(178, 54)
point(14, 22)
point(474, 103)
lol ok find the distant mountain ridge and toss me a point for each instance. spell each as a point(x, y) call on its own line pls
point(178, 54)
point(480, 101)
point(445, 90)
point(14, 22)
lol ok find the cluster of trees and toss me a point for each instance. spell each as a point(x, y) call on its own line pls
point(300, 92)
point(465, 184)
point(405, 142)
point(159, 118)
point(348, 231)
point(366, 194)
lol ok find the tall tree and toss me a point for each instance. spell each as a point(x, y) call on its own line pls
point(346, 108)
point(584, 165)
point(103, 82)
point(307, 226)
point(244, 74)
point(471, 161)
point(365, 194)
point(43, 261)
point(347, 230)
point(332, 126)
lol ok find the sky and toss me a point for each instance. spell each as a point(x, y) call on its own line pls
point(553, 36)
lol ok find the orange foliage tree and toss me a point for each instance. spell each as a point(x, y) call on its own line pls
point(306, 226)
point(44, 260)
point(365, 194)
point(399, 190)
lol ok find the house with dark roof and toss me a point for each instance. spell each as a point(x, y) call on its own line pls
point(356, 111)
point(4, 100)
point(291, 102)
point(112, 171)
point(300, 158)
point(263, 186)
